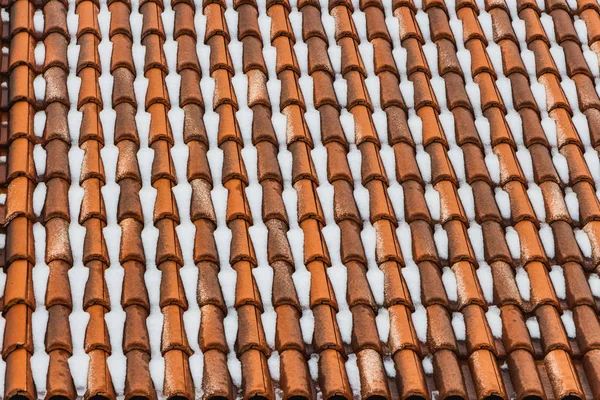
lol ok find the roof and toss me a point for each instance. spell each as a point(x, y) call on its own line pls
point(300, 199)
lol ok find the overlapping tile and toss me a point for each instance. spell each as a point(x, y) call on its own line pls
point(564, 375)
point(403, 343)
point(56, 211)
point(134, 298)
point(20, 180)
point(499, 355)
point(251, 347)
point(92, 214)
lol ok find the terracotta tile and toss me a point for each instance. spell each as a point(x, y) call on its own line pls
point(333, 378)
point(409, 374)
point(485, 377)
point(511, 59)
point(447, 59)
point(544, 64)
point(486, 374)
point(447, 374)
point(440, 335)
point(542, 291)
point(566, 248)
point(524, 374)
point(591, 368)
point(409, 27)
point(562, 375)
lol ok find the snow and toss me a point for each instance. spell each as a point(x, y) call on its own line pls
point(458, 162)
point(494, 321)
point(503, 202)
point(594, 282)
point(584, 242)
point(313, 366)
point(419, 320)
point(389, 366)
point(465, 192)
point(449, 281)
point(483, 128)
point(344, 320)
point(411, 276)
point(493, 165)
point(39, 319)
point(383, 324)
point(538, 90)
point(274, 365)
point(432, 197)
point(486, 281)
point(353, 374)
point(428, 364)
point(524, 157)
point(536, 198)
point(569, 324)
point(38, 21)
point(558, 281)
point(523, 283)
point(533, 327)
point(513, 241)
point(424, 162)
point(515, 124)
point(307, 323)
point(560, 163)
point(441, 241)
point(549, 127)
point(572, 203)
point(458, 325)
point(581, 126)
point(592, 159)
point(476, 237)
point(547, 238)
point(39, 87)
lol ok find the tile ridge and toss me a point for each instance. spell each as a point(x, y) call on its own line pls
point(496, 253)
point(251, 346)
point(403, 344)
point(56, 211)
point(557, 349)
point(216, 380)
point(92, 215)
point(294, 374)
point(327, 342)
point(134, 298)
point(481, 348)
point(173, 303)
point(20, 178)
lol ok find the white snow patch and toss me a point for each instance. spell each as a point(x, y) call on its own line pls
point(523, 283)
point(494, 321)
point(572, 203)
point(486, 281)
point(419, 319)
point(514, 242)
point(449, 281)
point(594, 282)
point(503, 202)
point(547, 238)
point(458, 325)
point(557, 276)
point(584, 242)
point(569, 324)
point(441, 241)
point(533, 327)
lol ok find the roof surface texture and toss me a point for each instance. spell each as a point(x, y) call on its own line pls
point(300, 200)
